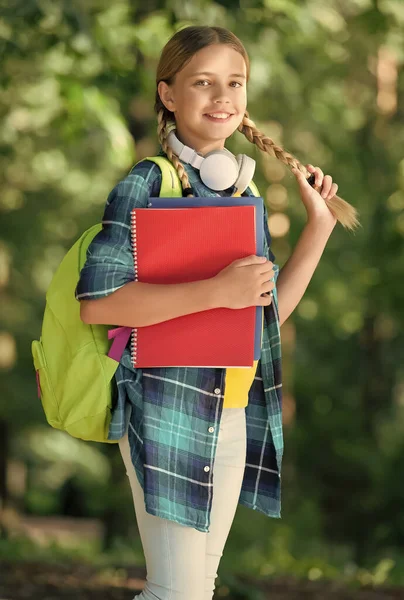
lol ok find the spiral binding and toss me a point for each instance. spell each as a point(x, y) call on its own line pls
point(134, 336)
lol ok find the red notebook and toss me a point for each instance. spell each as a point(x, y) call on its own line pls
point(178, 245)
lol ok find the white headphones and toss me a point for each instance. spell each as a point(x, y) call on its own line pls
point(218, 169)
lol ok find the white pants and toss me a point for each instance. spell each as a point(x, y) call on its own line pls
point(182, 562)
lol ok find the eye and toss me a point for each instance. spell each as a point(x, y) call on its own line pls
point(202, 81)
point(238, 83)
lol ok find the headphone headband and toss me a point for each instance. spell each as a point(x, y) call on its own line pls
point(184, 153)
point(218, 169)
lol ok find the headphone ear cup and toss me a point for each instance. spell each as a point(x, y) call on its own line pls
point(246, 166)
point(240, 161)
point(219, 170)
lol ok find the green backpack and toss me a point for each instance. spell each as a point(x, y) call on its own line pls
point(75, 362)
point(75, 375)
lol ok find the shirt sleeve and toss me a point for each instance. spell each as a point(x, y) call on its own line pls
point(109, 260)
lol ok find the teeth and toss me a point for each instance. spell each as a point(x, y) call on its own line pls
point(219, 115)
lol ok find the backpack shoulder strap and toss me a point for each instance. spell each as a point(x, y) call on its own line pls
point(170, 182)
point(254, 189)
point(70, 267)
point(85, 241)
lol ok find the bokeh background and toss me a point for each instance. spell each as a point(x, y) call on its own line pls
point(77, 84)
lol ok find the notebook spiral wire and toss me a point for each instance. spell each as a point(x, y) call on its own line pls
point(133, 344)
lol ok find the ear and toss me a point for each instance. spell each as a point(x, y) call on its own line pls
point(166, 95)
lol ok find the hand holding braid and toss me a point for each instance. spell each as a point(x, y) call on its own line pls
point(315, 204)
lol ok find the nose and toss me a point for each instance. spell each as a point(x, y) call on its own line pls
point(221, 94)
point(221, 103)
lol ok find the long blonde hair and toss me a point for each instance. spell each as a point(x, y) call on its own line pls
point(175, 55)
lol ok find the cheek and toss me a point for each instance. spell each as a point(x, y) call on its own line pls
point(242, 106)
point(192, 101)
point(241, 102)
point(240, 120)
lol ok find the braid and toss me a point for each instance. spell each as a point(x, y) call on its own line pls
point(342, 211)
point(173, 158)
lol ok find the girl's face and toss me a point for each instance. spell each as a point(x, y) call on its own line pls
point(213, 82)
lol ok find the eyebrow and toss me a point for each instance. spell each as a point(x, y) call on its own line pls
point(208, 73)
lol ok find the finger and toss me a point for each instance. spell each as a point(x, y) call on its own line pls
point(301, 179)
point(251, 260)
point(265, 268)
point(267, 286)
point(264, 301)
point(319, 175)
point(261, 273)
point(266, 275)
point(327, 184)
point(333, 191)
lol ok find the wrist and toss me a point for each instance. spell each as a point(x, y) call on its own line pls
point(323, 224)
point(213, 293)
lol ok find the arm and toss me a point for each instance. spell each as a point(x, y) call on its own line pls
point(139, 304)
point(109, 267)
point(107, 289)
point(295, 275)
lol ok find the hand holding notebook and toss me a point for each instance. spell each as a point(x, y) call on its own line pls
point(243, 282)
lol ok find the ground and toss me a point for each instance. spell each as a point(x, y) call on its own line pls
point(42, 581)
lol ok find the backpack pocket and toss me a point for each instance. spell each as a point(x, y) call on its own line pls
point(45, 389)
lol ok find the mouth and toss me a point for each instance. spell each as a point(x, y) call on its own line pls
point(219, 117)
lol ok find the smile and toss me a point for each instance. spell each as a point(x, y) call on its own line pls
point(219, 117)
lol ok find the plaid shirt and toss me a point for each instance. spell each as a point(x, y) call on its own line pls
point(173, 414)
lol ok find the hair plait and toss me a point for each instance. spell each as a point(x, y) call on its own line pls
point(162, 135)
point(342, 211)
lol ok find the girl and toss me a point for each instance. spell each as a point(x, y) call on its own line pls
point(198, 441)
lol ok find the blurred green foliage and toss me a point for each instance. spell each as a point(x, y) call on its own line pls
point(76, 107)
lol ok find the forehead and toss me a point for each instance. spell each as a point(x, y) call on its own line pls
point(219, 59)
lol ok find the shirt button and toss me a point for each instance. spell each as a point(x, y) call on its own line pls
point(211, 429)
point(206, 469)
point(217, 390)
